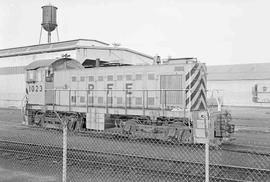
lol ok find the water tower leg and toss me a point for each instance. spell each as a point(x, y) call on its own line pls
point(40, 34)
point(49, 37)
point(57, 34)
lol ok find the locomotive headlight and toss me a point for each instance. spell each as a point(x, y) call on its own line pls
point(203, 115)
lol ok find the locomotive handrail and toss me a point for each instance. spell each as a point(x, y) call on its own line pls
point(116, 89)
point(145, 104)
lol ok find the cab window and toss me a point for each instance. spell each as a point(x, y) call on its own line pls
point(49, 75)
point(39, 76)
point(31, 76)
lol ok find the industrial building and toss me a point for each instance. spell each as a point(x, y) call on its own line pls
point(240, 84)
point(237, 85)
point(14, 60)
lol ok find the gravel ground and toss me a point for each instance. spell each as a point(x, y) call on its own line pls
point(251, 118)
point(7, 175)
point(11, 129)
point(11, 115)
point(14, 170)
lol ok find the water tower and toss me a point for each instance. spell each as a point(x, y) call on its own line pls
point(48, 21)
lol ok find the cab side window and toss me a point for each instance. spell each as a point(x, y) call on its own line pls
point(39, 76)
point(49, 75)
point(31, 76)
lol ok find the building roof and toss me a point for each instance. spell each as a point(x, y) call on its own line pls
point(258, 71)
point(63, 46)
point(50, 46)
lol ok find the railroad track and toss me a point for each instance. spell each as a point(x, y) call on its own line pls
point(250, 149)
point(171, 169)
point(112, 135)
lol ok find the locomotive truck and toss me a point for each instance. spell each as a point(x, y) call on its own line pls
point(165, 101)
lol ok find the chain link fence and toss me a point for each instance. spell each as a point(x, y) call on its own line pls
point(246, 157)
point(29, 154)
point(39, 154)
point(112, 156)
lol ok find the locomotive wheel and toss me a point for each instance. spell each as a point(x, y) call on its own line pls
point(228, 116)
point(186, 136)
point(129, 128)
point(118, 123)
point(71, 125)
point(39, 119)
point(74, 123)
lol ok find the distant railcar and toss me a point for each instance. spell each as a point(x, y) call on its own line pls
point(162, 101)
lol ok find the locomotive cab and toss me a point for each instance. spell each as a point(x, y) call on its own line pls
point(40, 79)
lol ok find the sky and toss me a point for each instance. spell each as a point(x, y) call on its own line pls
point(217, 32)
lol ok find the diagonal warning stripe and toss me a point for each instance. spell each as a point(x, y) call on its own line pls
point(196, 87)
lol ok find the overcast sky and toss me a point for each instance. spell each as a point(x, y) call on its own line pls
point(214, 31)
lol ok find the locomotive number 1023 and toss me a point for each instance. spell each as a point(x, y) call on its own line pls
point(35, 88)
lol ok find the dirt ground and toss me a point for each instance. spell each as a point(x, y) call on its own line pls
point(11, 115)
point(249, 117)
point(13, 169)
point(252, 126)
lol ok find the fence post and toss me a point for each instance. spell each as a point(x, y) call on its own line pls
point(54, 99)
point(162, 98)
point(64, 169)
point(189, 106)
point(64, 178)
point(106, 106)
point(207, 161)
point(206, 122)
point(87, 100)
point(69, 102)
point(126, 97)
point(143, 102)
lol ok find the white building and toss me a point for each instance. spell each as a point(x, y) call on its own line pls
point(14, 60)
point(241, 85)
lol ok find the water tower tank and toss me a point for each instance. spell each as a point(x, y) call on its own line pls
point(49, 18)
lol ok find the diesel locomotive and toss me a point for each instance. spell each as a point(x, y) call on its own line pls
point(165, 101)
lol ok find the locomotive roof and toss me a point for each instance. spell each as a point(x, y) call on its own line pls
point(71, 63)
